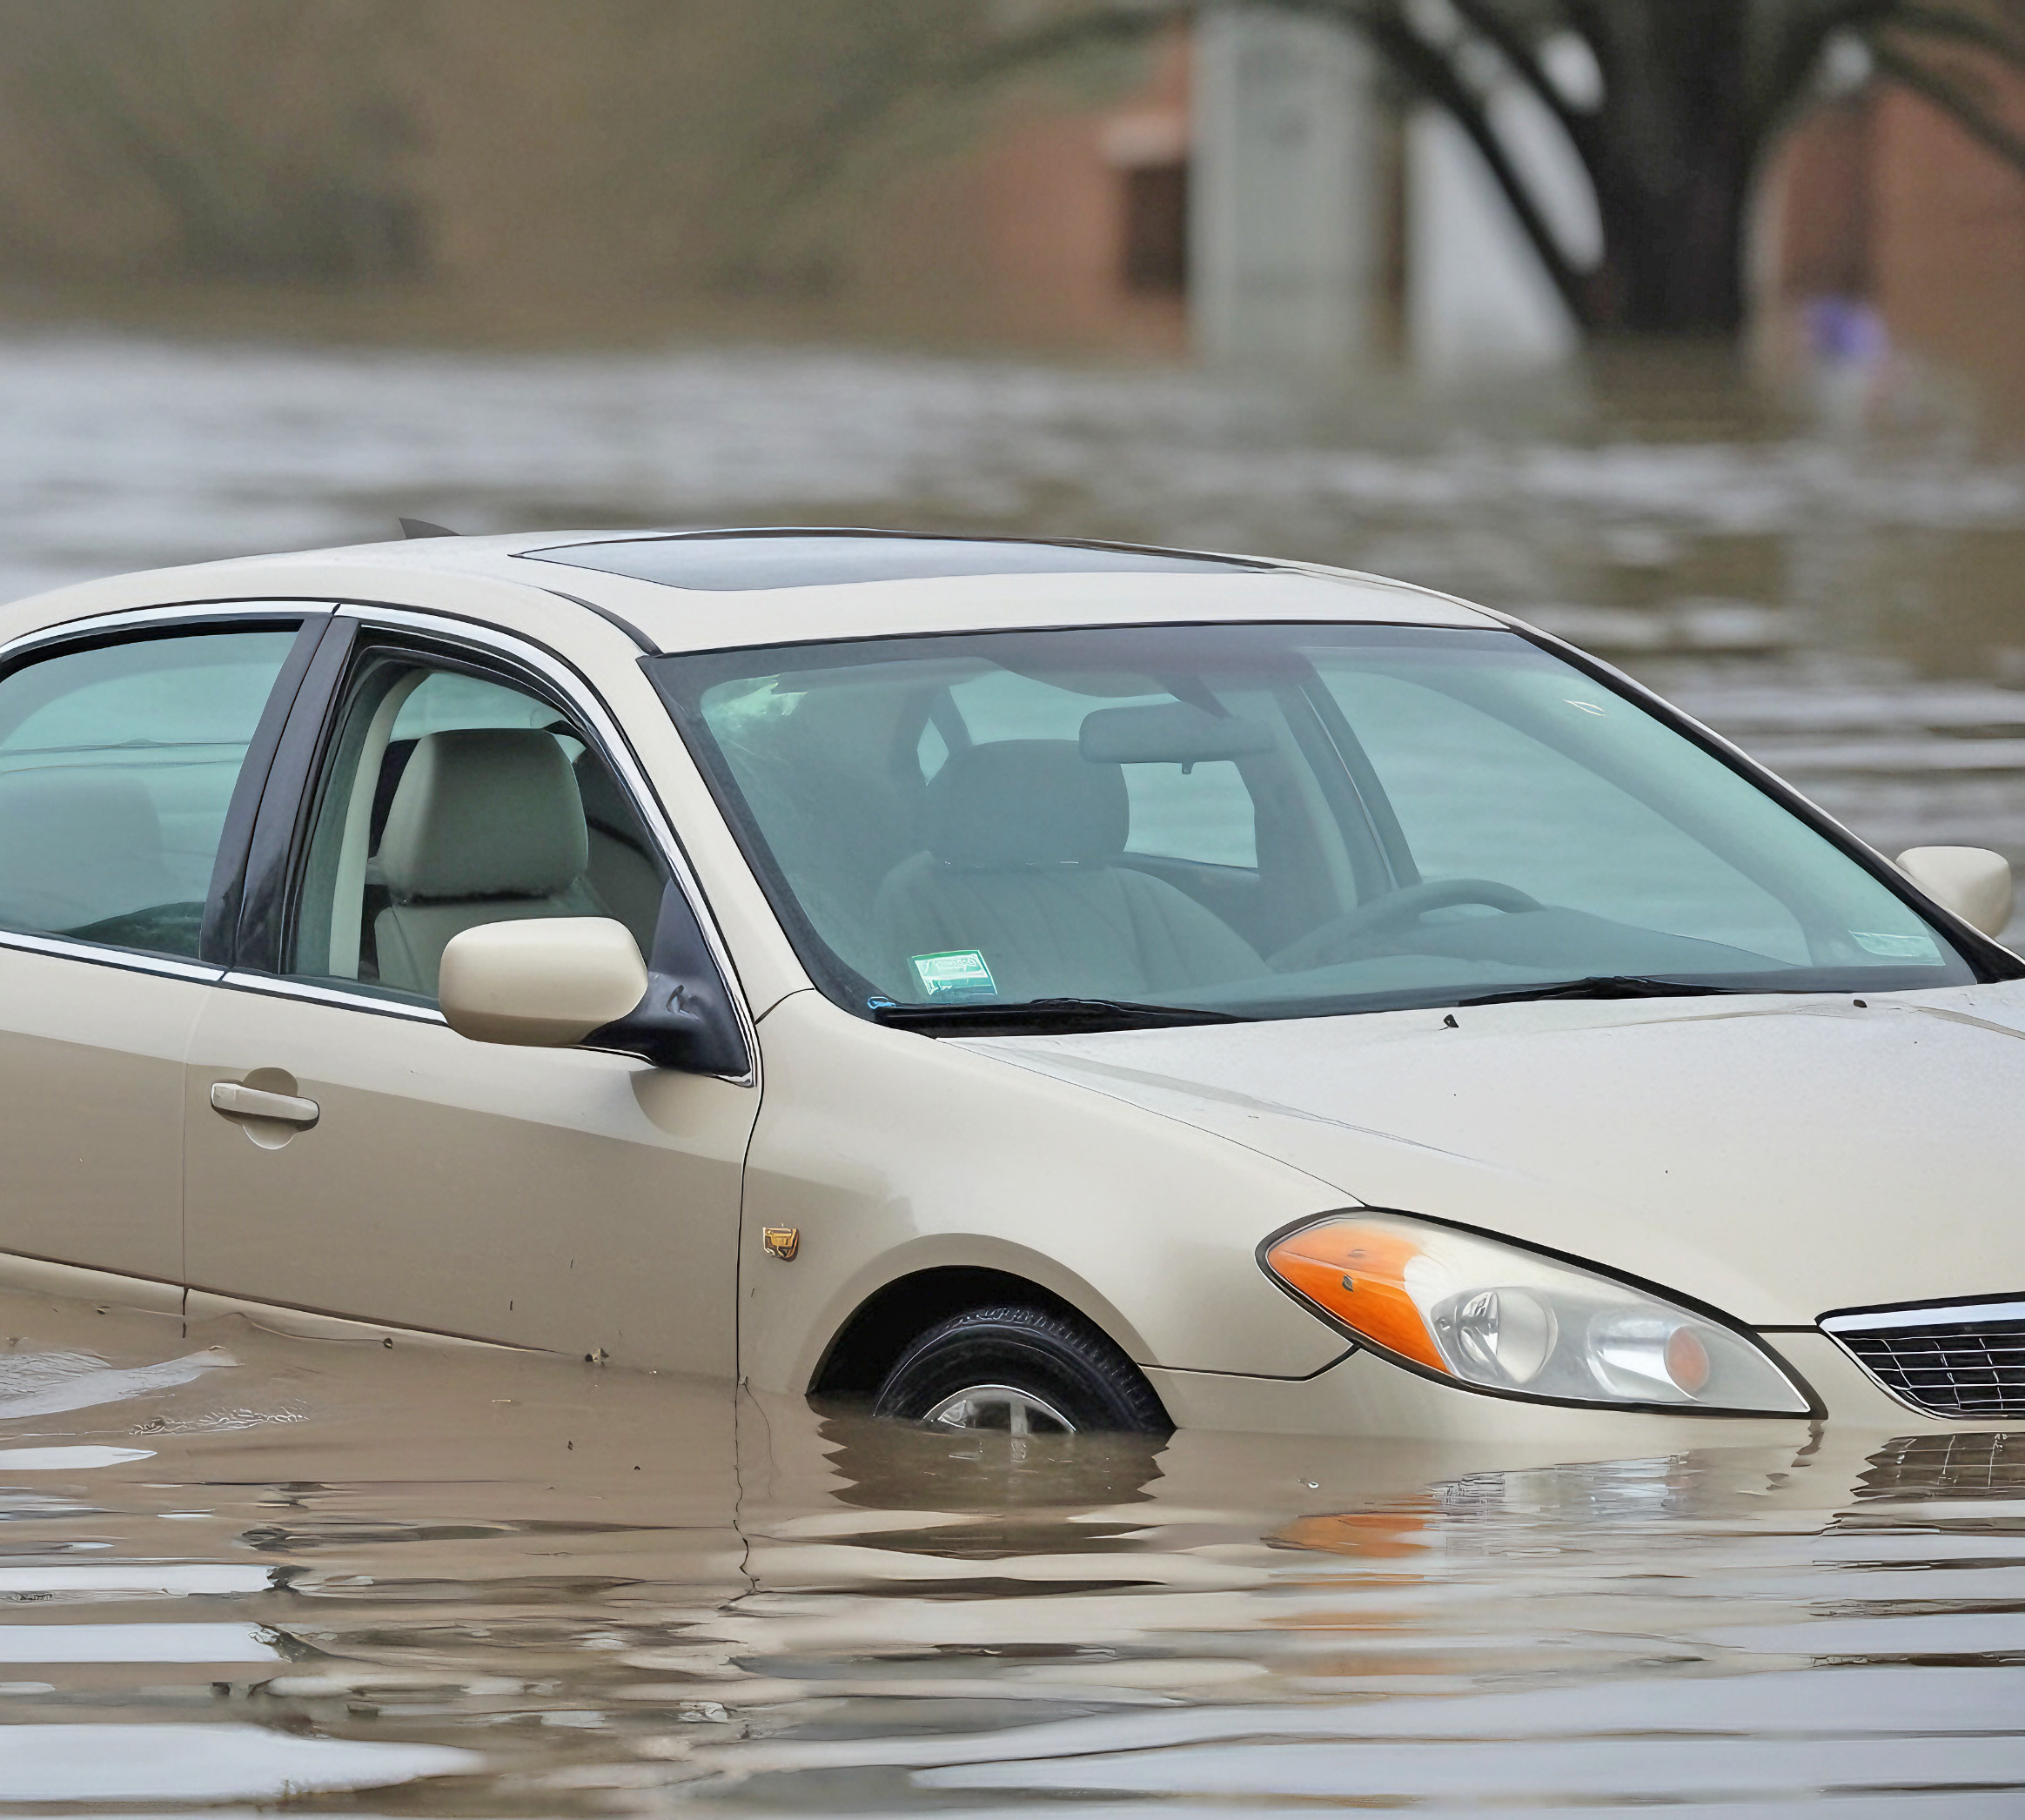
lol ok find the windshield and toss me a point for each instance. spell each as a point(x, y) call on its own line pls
point(1263, 821)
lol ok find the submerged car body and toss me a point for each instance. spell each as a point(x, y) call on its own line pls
point(1317, 1003)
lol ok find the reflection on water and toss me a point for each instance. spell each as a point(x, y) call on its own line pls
point(398, 1580)
point(1849, 610)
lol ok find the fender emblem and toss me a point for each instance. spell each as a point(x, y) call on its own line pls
point(782, 1241)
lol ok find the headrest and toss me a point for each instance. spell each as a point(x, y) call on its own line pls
point(486, 811)
point(77, 843)
point(1026, 802)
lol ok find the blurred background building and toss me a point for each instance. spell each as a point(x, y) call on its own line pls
point(1263, 193)
point(1255, 186)
point(1880, 199)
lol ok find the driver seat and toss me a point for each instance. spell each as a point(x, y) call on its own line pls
point(1024, 838)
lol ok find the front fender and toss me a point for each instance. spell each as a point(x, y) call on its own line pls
point(891, 1152)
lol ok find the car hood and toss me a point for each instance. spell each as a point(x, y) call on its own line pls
point(1777, 1157)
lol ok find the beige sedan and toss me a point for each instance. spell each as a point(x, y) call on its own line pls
point(1028, 986)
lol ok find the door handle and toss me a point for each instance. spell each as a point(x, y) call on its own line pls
point(235, 1101)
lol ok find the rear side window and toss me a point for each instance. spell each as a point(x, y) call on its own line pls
point(117, 765)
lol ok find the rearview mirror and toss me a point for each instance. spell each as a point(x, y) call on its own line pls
point(1169, 732)
point(543, 983)
point(1972, 881)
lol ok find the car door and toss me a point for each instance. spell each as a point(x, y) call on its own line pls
point(132, 752)
point(347, 1152)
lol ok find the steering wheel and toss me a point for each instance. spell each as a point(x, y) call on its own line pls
point(1319, 947)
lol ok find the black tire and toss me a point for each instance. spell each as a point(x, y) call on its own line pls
point(1058, 1361)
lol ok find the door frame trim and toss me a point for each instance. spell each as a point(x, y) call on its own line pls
point(94, 626)
point(297, 765)
point(219, 936)
point(279, 986)
point(130, 961)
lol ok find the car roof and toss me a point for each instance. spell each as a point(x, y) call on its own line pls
point(710, 589)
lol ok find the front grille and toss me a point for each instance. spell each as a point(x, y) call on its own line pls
point(1963, 1361)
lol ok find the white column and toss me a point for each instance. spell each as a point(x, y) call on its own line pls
point(1284, 209)
point(1479, 301)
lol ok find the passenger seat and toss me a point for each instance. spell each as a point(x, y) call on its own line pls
point(486, 826)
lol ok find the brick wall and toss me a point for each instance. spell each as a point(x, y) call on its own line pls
point(1887, 198)
point(1948, 242)
point(1028, 236)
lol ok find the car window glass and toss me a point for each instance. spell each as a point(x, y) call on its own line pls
point(1272, 821)
point(1202, 813)
point(1476, 797)
point(117, 767)
point(446, 700)
point(452, 800)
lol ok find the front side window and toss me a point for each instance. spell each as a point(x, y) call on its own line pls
point(117, 765)
point(1263, 821)
point(452, 800)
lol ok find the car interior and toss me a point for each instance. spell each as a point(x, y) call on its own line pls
point(1225, 816)
point(117, 764)
point(989, 825)
point(455, 801)
point(1023, 853)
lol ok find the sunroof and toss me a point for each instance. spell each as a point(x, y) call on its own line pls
point(816, 558)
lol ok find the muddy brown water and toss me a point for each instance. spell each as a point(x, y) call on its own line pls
point(239, 1569)
point(1846, 606)
point(241, 1572)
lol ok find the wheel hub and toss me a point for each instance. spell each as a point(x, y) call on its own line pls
point(999, 1408)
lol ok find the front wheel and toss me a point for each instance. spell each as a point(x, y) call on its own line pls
point(1021, 1371)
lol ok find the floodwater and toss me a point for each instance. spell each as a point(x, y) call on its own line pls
point(1846, 606)
point(239, 1571)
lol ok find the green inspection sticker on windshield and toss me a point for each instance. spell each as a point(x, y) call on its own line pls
point(1895, 947)
point(960, 975)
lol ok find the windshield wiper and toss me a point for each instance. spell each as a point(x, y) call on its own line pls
point(1043, 1017)
point(1602, 986)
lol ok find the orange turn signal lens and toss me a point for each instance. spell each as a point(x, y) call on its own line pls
point(1354, 1272)
point(1687, 1360)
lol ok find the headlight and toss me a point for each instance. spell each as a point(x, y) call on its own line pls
point(1498, 1318)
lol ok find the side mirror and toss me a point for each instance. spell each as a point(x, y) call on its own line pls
point(1972, 881)
point(686, 1021)
point(543, 983)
